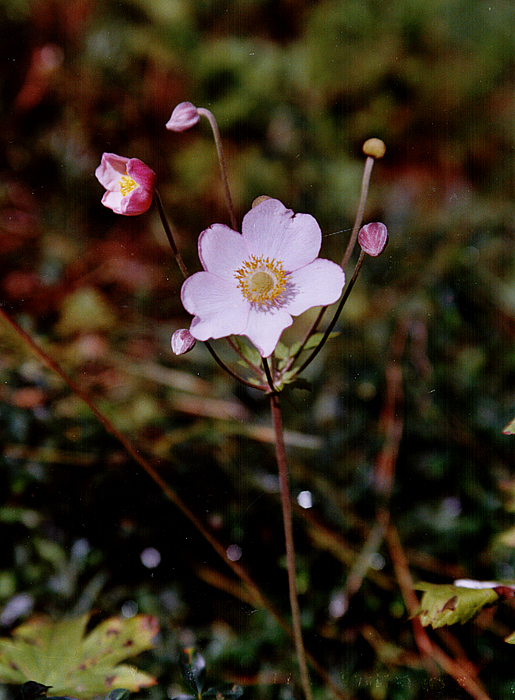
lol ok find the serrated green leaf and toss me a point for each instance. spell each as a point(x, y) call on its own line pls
point(249, 352)
point(445, 604)
point(57, 654)
point(511, 638)
point(510, 430)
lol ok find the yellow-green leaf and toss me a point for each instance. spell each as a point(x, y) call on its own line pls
point(60, 655)
point(445, 604)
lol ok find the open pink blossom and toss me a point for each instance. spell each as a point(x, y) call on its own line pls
point(129, 183)
point(184, 116)
point(254, 282)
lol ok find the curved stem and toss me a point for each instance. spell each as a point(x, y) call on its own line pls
point(288, 536)
point(229, 371)
point(367, 172)
point(330, 327)
point(221, 159)
point(169, 235)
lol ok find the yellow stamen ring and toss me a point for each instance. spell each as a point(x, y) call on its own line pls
point(127, 184)
point(262, 281)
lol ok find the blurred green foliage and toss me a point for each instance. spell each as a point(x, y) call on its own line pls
point(297, 86)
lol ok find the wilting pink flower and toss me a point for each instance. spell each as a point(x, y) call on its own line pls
point(254, 282)
point(373, 238)
point(182, 341)
point(129, 183)
point(184, 116)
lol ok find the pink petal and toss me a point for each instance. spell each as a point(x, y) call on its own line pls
point(111, 168)
point(137, 201)
point(222, 251)
point(113, 200)
point(264, 329)
point(141, 173)
point(271, 230)
point(218, 307)
point(318, 284)
point(184, 116)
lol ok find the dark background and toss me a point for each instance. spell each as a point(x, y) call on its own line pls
point(296, 87)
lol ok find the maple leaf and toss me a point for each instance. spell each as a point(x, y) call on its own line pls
point(61, 654)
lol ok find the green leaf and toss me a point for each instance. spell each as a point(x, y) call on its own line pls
point(510, 430)
point(312, 342)
point(446, 604)
point(249, 352)
point(59, 654)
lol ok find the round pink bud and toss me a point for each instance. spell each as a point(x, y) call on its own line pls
point(373, 238)
point(182, 341)
point(184, 116)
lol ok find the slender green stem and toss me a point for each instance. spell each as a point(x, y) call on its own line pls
point(229, 371)
point(330, 327)
point(221, 159)
point(268, 373)
point(169, 234)
point(280, 451)
point(367, 172)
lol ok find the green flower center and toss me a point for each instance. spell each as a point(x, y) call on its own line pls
point(262, 281)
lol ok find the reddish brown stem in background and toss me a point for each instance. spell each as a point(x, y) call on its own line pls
point(259, 598)
point(429, 650)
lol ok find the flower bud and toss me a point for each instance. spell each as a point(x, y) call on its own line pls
point(182, 341)
point(373, 238)
point(184, 116)
point(258, 200)
point(374, 148)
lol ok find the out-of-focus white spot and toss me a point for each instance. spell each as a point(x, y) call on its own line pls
point(234, 552)
point(338, 605)
point(17, 606)
point(150, 558)
point(129, 608)
point(305, 500)
point(377, 562)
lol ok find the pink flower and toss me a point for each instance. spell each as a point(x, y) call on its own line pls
point(254, 282)
point(184, 116)
point(373, 238)
point(129, 183)
point(182, 341)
